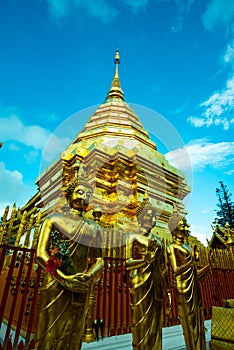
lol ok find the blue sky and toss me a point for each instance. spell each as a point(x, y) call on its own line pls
point(177, 58)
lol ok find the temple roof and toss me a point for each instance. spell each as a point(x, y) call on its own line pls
point(115, 118)
point(222, 237)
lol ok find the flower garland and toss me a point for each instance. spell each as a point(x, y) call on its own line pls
point(60, 256)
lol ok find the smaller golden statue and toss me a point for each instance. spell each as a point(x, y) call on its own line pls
point(145, 260)
point(183, 260)
point(69, 248)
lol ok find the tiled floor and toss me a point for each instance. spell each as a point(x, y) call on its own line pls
point(172, 340)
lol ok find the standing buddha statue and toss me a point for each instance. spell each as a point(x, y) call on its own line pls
point(183, 261)
point(145, 260)
point(69, 249)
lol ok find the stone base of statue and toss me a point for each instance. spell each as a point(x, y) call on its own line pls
point(88, 337)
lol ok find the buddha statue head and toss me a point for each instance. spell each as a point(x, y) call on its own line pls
point(178, 225)
point(146, 215)
point(78, 193)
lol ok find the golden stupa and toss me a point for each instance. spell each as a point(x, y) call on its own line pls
point(122, 164)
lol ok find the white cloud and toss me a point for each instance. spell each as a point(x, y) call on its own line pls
point(31, 156)
point(13, 129)
point(54, 147)
point(219, 108)
point(229, 53)
point(107, 10)
point(136, 5)
point(202, 153)
point(219, 12)
point(100, 9)
point(13, 147)
point(197, 121)
point(201, 232)
point(12, 186)
point(182, 7)
point(221, 99)
point(181, 108)
point(59, 8)
point(185, 4)
point(230, 172)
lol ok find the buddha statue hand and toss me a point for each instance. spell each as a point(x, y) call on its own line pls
point(151, 252)
point(203, 272)
point(76, 283)
point(149, 257)
point(94, 273)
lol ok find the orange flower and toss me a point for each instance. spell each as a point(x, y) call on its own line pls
point(54, 251)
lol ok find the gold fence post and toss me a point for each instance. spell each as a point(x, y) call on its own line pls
point(3, 230)
point(21, 228)
point(29, 228)
point(10, 225)
point(36, 230)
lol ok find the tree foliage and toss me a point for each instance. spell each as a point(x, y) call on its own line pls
point(225, 214)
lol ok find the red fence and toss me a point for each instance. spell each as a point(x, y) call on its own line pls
point(18, 295)
point(113, 297)
point(19, 285)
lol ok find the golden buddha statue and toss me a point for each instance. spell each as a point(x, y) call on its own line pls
point(183, 260)
point(69, 248)
point(145, 260)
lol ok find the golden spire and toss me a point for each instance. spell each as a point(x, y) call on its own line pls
point(115, 93)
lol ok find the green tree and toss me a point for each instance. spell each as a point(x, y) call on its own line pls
point(226, 206)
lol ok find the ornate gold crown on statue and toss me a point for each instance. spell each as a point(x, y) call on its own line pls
point(81, 179)
point(178, 221)
point(144, 206)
